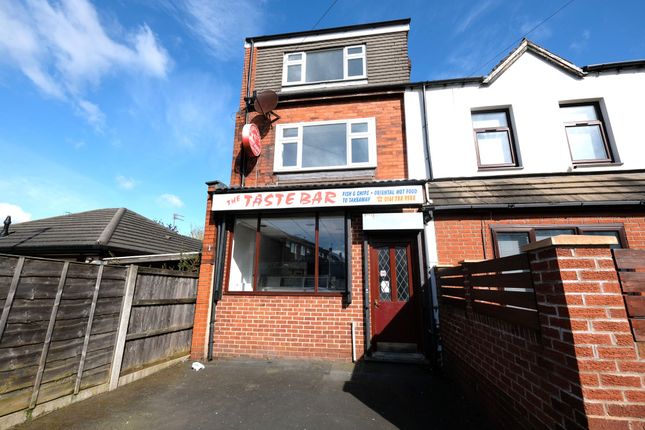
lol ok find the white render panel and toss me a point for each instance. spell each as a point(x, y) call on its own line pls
point(532, 90)
point(415, 136)
point(393, 221)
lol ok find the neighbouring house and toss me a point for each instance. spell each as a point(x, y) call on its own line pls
point(537, 148)
point(321, 230)
point(95, 235)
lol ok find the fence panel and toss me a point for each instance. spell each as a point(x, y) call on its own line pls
point(59, 323)
point(161, 320)
point(501, 288)
point(630, 264)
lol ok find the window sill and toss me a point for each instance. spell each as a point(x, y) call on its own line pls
point(591, 165)
point(283, 293)
point(489, 169)
point(320, 85)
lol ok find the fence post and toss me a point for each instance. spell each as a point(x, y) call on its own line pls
point(48, 336)
point(10, 295)
point(124, 320)
point(88, 329)
point(467, 286)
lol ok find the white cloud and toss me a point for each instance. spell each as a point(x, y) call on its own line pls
point(125, 183)
point(63, 49)
point(581, 43)
point(464, 23)
point(17, 213)
point(170, 200)
point(221, 25)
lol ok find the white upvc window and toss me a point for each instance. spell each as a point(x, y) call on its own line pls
point(328, 65)
point(325, 145)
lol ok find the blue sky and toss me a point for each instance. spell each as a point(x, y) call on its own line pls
point(131, 103)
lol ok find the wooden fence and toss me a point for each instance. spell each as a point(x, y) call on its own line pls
point(630, 264)
point(501, 288)
point(66, 327)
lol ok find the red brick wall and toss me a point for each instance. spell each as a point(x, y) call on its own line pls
point(286, 325)
point(581, 369)
point(468, 236)
point(387, 110)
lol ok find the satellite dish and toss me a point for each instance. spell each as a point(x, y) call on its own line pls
point(265, 101)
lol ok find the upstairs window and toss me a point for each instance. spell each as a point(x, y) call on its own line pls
point(509, 239)
point(586, 133)
point(494, 139)
point(324, 66)
point(325, 145)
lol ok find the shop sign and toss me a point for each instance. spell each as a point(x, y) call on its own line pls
point(251, 140)
point(333, 197)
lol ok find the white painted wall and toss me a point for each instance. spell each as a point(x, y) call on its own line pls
point(532, 89)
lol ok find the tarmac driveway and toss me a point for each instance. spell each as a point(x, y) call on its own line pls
point(281, 394)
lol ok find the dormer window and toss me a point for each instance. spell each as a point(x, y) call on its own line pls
point(327, 65)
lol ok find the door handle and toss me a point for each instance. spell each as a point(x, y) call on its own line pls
point(376, 302)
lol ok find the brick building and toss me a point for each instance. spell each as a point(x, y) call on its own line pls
point(320, 250)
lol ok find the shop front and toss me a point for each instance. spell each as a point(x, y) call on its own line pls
point(333, 272)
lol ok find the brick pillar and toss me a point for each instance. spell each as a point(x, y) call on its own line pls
point(204, 286)
point(593, 370)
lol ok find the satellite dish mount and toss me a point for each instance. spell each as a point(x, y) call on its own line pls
point(263, 102)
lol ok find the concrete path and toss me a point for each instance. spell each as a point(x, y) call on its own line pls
point(245, 394)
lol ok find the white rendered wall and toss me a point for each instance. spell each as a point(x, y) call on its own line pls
point(415, 135)
point(532, 89)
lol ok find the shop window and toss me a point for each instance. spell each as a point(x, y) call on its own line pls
point(325, 145)
point(327, 65)
point(494, 139)
point(297, 254)
point(586, 133)
point(509, 239)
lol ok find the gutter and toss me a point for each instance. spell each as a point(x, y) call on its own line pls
point(538, 205)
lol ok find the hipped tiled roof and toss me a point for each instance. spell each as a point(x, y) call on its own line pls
point(625, 188)
point(116, 229)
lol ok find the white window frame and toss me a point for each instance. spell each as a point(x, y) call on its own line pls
point(303, 65)
point(370, 135)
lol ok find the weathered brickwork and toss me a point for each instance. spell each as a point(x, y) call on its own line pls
point(467, 236)
point(581, 369)
point(387, 111)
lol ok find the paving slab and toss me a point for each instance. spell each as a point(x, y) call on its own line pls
point(276, 394)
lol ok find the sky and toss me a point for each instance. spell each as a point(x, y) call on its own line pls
point(131, 103)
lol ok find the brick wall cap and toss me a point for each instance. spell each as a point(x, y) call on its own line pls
point(570, 240)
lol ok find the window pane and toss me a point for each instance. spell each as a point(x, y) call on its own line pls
point(355, 67)
point(360, 150)
point(494, 148)
point(290, 132)
point(289, 154)
point(286, 261)
point(325, 65)
point(294, 57)
point(332, 260)
point(510, 243)
point(610, 233)
point(586, 143)
point(489, 120)
point(360, 127)
point(241, 275)
point(383, 256)
point(324, 145)
point(579, 113)
point(294, 73)
point(355, 50)
point(545, 233)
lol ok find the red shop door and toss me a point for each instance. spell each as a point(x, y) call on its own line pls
point(393, 285)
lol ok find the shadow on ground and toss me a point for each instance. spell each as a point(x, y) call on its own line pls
point(284, 394)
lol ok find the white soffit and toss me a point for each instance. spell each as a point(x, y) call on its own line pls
point(393, 221)
point(296, 40)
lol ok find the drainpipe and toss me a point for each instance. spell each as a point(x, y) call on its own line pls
point(431, 240)
point(216, 284)
point(426, 139)
point(246, 111)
